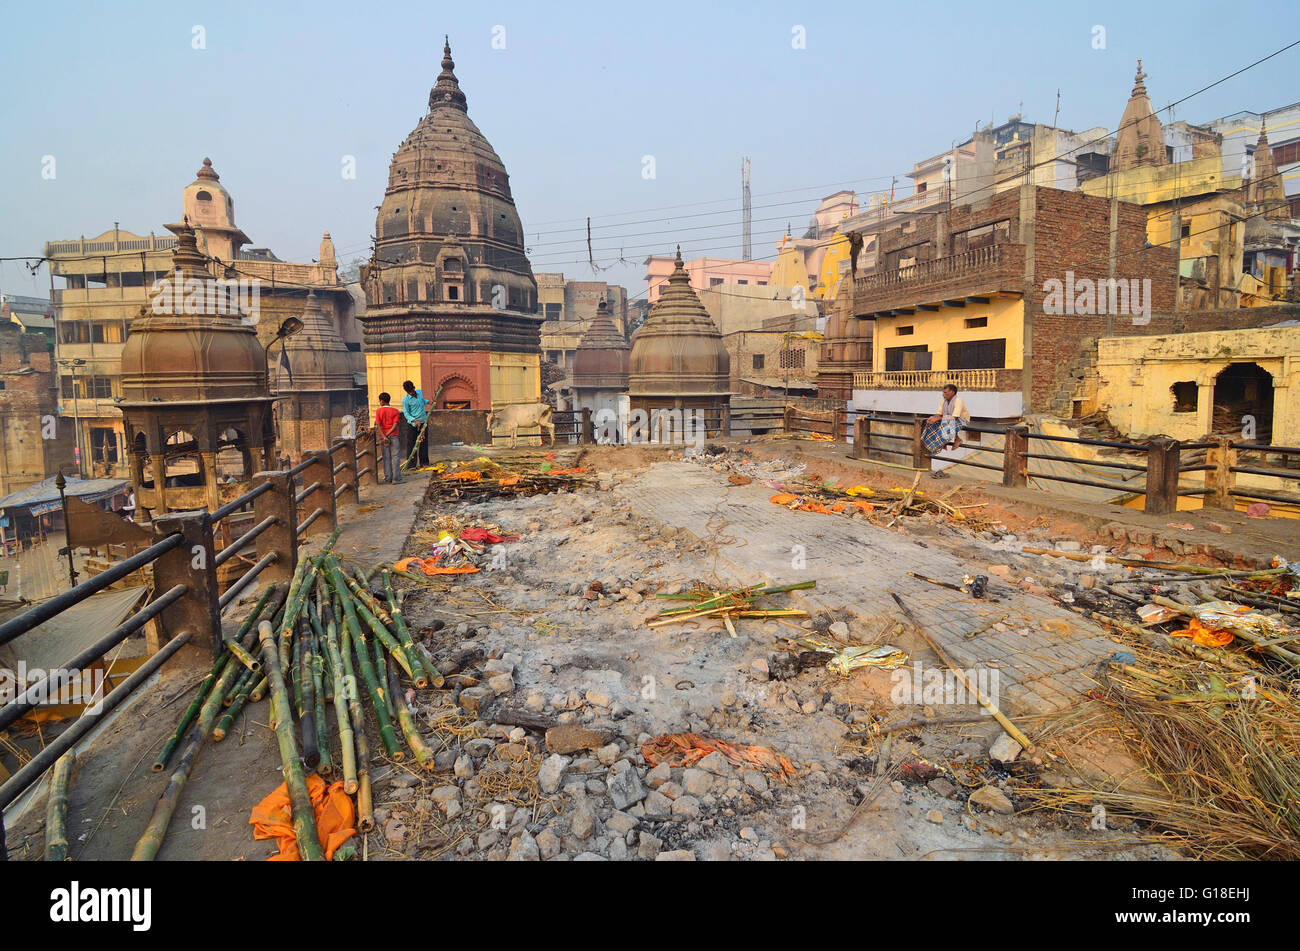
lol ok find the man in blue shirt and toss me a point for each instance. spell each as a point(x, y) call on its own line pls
point(415, 410)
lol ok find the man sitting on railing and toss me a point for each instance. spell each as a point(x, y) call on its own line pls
point(943, 429)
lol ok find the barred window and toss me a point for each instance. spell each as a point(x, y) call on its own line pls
point(792, 359)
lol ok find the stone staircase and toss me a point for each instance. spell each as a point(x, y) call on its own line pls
point(1079, 381)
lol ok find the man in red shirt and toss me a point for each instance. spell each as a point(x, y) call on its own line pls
point(390, 439)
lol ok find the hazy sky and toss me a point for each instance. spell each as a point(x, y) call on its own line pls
point(282, 92)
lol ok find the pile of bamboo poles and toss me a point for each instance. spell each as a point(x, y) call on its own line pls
point(321, 647)
point(727, 605)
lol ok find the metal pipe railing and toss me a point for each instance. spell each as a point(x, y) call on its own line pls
point(232, 549)
point(302, 494)
point(247, 578)
point(306, 523)
point(16, 627)
point(45, 689)
point(43, 760)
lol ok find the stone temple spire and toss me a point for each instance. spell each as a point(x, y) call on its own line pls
point(1265, 192)
point(1140, 138)
point(447, 92)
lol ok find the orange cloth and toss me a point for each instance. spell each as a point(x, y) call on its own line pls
point(1205, 636)
point(336, 818)
point(508, 480)
point(430, 566)
point(687, 749)
point(783, 498)
point(465, 476)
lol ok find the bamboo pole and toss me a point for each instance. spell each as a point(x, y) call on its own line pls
point(381, 632)
point(56, 809)
point(237, 701)
point(419, 749)
point(325, 765)
point(192, 711)
point(404, 633)
point(346, 740)
point(149, 843)
point(365, 810)
point(307, 698)
point(361, 647)
point(241, 655)
point(1012, 730)
point(304, 818)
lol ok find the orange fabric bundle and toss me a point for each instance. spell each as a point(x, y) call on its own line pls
point(508, 480)
point(466, 476)
point(430, 566)
point(783, 498)
point(1205, 636)
point(336, 818)
point(687, 749)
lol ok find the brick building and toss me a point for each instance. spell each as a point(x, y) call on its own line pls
point(34, 439)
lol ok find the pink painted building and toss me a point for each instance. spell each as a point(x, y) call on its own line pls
point(705, 273)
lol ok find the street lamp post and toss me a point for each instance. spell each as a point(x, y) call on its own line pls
point(61, 484)
point(76, 417)
point(290, 326)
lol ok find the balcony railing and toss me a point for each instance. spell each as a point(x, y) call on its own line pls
point(986, 379)
point(977, 259)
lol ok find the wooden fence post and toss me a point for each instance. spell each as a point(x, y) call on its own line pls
point(1162, 475)
point(1015, 467)
point(584, 420)
point(918, 447)
point(1219, 480)
point(861, 436)
point(282, 537)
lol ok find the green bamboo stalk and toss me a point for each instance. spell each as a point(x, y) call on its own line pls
point(146, 848)
point(365, 809)
point(192, 711)
point(325, 765)
point(237, 701)
point(326, 683)
point(307, 697)
point(304, 818)
point(361, 647)
point(419, 749)
point(259, 690)
point(404, 634)
point(346, 740)
point(361, 599)
point(244, 681)
point(56, 809)
point(381, 675)
point(241, 655)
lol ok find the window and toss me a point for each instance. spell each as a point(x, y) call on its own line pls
point(65, 387)
point(453, 292)
point(907, 358)
point(1186, 396)
point(742, 282)
point(1186, 232)
point(554, 311)
point(758, 361)
point(920, 187)
point(103, 445)
point(905, 331)
point(982, 237)
point(978, 355)
point(101, 387)
point(973, 322)
point(714, 281)
point(792, 359)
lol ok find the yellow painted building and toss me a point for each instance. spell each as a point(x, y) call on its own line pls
point(1187, 385)
point(900, 341)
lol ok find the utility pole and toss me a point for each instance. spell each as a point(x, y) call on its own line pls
point(746, 248)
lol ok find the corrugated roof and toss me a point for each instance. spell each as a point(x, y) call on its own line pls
point(43, 496)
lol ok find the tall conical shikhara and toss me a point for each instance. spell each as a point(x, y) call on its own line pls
point(451, 298)
point(1139, 139)
point(601, 360)
point(313, 382)
point(1265, 193)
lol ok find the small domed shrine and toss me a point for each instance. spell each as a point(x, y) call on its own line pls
point(600, 364)
point(678, 360)
point(195, 401)
point(313, 385)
